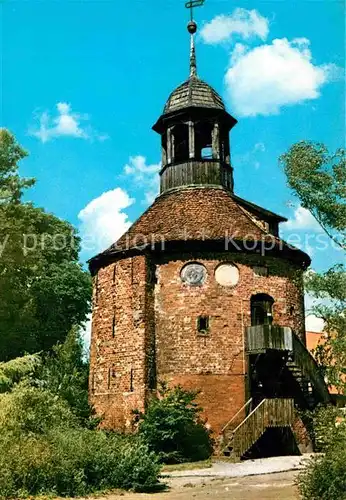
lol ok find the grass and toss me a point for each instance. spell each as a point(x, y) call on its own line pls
point(203, 464)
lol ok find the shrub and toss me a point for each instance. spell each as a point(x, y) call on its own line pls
point(329, 425)
point(65, 373)
point(74, 462)
point(30, 409)
point(172, 427)
point(324, 478)
point(44, 450)
point(17, 369)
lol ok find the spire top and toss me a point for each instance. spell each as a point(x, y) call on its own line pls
point(192, 28)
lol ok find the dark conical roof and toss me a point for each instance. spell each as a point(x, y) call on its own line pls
point(193, 93)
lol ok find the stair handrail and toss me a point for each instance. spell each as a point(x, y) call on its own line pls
point(235, 416)
point(263, 402)
point(311, 368)
point(265, 409)
point(234, 432)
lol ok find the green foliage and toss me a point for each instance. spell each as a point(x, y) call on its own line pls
point(44, 450)
point(17, 369)
point(319, 180)
point(329, 424)
point(74, 462)
point(324, 478)
point(172, 426)
point(65, 373)
point(32, 410)
point(330, 287)
point(43, 289)
point(11, 184)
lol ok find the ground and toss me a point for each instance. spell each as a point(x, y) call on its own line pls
point(278, 486)
point(264, 479)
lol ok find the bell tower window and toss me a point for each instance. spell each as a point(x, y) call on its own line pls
point(204, 141)
point(164, 148)
point(180, 143)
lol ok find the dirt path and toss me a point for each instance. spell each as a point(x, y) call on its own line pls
point(279, 486)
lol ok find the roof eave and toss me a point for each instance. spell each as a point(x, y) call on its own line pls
point(223, 115)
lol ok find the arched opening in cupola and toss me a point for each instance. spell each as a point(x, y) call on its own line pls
point(204, 140)
point(180, 142)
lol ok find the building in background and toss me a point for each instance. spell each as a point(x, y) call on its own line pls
point(313, 340)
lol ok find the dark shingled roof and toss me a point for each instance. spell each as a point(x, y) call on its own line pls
point(193, 93)
point(195, 214)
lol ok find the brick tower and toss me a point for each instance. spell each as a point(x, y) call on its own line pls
point(201, 290)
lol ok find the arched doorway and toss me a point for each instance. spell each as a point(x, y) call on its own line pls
point(261, 309)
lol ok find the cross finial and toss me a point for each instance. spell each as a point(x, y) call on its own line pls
point(193, 3)
point(192, 28)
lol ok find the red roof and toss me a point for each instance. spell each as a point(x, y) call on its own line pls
point(199, 214)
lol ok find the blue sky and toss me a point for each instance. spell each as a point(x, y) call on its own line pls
point(84, 81)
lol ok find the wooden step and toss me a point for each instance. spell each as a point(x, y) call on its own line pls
point(269, 413)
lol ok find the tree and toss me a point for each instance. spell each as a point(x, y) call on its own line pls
point(65, 373)
point(331, 355)
point(324, 476)
point(44, 291)
point(11, 184)
point(319, 180)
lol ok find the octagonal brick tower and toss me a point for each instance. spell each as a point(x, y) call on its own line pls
point(174, 297)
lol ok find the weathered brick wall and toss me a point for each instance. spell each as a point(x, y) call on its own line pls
point(216, 362)
point(155, 334)
point(119, 331)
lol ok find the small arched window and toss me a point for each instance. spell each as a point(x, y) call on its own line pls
point(261, 309)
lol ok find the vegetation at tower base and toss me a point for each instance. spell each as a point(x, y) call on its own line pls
point(48, 438)
point(319, 181)
point(43, 289)
point(47, 432)
point(324, 477)
point(172, 426)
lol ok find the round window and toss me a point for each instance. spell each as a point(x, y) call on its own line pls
point(193, 274)
point(227, 275)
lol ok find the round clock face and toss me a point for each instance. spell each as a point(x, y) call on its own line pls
point(227, 275)
point(194, 274)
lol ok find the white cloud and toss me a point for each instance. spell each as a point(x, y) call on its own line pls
point(314, 324)
point(302, 219)
point(65, 124)
point(145, 176)
point(264, 79)
point(103, 220)
point(86, 333)
point(243, 22)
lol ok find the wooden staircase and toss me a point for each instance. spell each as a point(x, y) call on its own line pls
point(269, 413)
point(301, 364)
point(306, 372)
